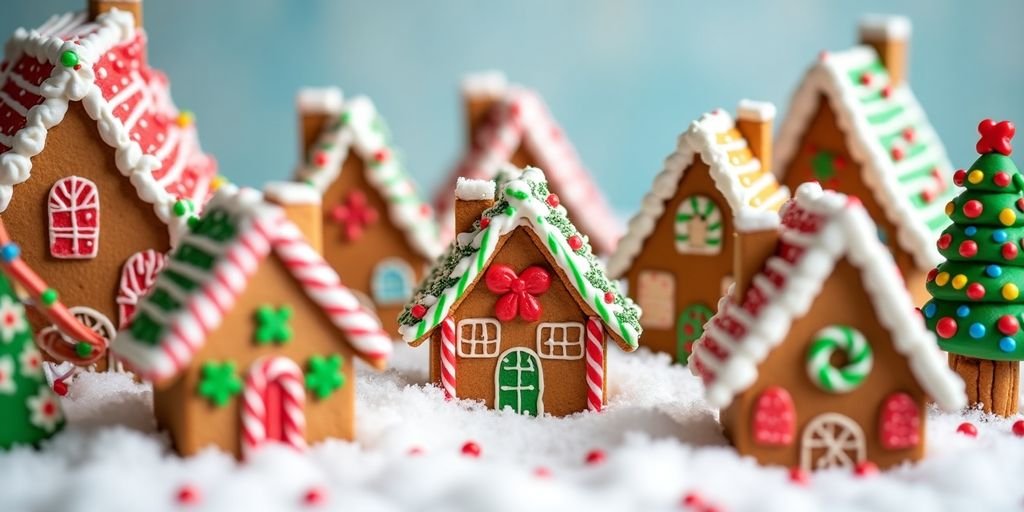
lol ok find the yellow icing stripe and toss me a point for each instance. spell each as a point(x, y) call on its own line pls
point(728, 136)
point(749, 178)
point(764, 194)
point(740, 156)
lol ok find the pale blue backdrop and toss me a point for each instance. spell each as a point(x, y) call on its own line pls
point(623, 78)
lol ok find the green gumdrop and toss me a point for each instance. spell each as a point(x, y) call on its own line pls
point(83, 349)
point(69, 59)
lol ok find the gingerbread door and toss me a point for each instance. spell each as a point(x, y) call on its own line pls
point(274, 405)
point(690, 327)
point(519, 382)
point(832, 440)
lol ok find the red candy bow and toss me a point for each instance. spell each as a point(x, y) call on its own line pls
point(995, 137)
point(519, 292)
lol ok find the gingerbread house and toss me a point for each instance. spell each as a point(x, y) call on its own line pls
point(819, 358)
point(104, 167)
point(854, 126)
point(677, 255)
point(519, 311)
point(377, 234)
point(511, 124)
point(248, 335)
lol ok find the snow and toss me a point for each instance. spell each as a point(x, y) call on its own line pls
point(661, 439)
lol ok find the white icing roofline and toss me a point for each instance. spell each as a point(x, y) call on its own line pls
point(751, 110)
point(291, 193)
point(882, 27)
point(467, 189)
point(485, 83)
point(320, 100)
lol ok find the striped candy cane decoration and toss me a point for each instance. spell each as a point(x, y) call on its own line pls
point(265, 372)
point(595, 364)
point(448, 357)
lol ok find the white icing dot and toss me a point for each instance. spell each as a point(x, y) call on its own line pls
point(160, 138)
point(124, 81)
point(102, 73)
point(114, 89)
point(143, 123)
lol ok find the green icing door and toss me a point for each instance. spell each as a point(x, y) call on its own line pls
point(519, 383)
point(689, 327)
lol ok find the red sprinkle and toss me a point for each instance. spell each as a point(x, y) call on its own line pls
point(692, 499)
point(908, 135)
point(595, 457)
point(484, 222)
point(60, 387)
point(973, 208)
point(418, 311)
point(415, 451)
point(944, 241)
point(471, 449)
point(865, 78)
point(552, 200)
point(1018, 428)
point(188, 495)
point(959, 176)
point(968, 429)
point(887, 91)
point(315, 496)
point(946, 327)
point(381, 155)
point(575, 242)
point(609, 297)
point(320, 159)
point(865, 469)
point(897, 154)
point(542, 472)
point(798, 476)
point(976, 291)
point(968, 248)
point(1008, 325)
point(1001, 179)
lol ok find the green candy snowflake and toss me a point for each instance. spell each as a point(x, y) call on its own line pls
point(273, 325)
point(219, 382)
point(325, 375)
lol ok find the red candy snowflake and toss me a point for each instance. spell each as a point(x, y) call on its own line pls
point(995, 137)
point(354, 214)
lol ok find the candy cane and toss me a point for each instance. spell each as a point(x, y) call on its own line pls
point(448, 357)
point(595, 364)
point(288, 375)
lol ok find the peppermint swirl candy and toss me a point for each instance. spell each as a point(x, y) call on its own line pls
point(819, 366)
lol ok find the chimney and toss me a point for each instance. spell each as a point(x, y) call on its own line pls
point(472, 197)
point(754, 120)
point(97, 7)
point(480, 92)
point(890, 37)
point(757, 234)
point(317, 107)
point(301, 204)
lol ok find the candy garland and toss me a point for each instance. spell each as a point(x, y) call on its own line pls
point(448, 361)
point(595, 364)
point(857, 350)
point(265, 372)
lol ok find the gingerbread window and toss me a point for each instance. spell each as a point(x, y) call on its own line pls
point(561, 340)
point(479, 337)
point(392, 282)
point(698, 227)
point(656, 296)
point(74, 218)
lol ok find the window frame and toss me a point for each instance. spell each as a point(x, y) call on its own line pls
point(546, 345)
point(473, 342)
point(394, 266)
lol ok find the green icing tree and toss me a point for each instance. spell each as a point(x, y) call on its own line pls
point(977, 306)
point(29, 410)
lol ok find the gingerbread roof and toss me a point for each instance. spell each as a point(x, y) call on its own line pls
point(748, 187)
point(360, 129)
point(520, 118)
point(522, 200)
point(818, 229)
point(211, 268)
point(902, 159)
point(101, 63)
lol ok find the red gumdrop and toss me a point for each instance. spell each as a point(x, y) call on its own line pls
point(471, 449)
point(1008, 325)
point(1018, 428)
point(484, 222)
point(595, 457)
point(944, 241)
point(60, 387)
point(315, 496)
point(188, 495)
point(968, 248)
point(552, 200)
point(418, 311)
point(1001, 179)
point(575, 242)
point(865, 468)
point(609, 297)
point(959, 176)
point(946, 327)
point(1009, 251)
point(968, 429)
point(976, 291)
point(973, 208)
point(798, 476)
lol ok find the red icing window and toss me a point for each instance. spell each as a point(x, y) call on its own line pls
point(774, 418)
point(74, 217)
point(900, 423)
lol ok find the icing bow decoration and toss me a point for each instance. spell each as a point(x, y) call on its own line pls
point(995, 137)
point(518, 292)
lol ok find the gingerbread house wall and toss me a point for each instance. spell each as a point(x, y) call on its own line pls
point(127, 224)
point(842, 301)
point(194, 423)
point(698, 278)
point(823, 134)
point(564, 381)
point(356, 261)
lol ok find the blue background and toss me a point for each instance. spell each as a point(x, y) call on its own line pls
point(623, 78)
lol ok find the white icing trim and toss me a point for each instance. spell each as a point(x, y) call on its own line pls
point(291, 193)
point(485, 83)
point(320, 100)
point(484, 343)
point(699, 139)
point(817, 436)
point(474, 190)
point(545, 346)
point(847, 231)
point(884, 27)
point(750, 110)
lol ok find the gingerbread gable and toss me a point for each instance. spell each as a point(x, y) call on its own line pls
point(210, 269)
point(361, 131)
point(520, 119)
point(818, 229)
point(522, 200)
point(902, 159)
point(747, 186)
point(103, 64)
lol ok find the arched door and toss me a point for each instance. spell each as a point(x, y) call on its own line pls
point(689, 328)
point(519, 382)
point(832, 440)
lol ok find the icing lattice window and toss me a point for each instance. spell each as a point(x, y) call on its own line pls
point(698, 227)
point(74, 218)
point(563, 340)
point(656, 296)
point(392, 282)
point(479, 337)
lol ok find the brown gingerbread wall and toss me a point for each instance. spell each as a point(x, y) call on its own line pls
point(698, 277)
point(195, 423)
point(355, 262)
point(565, 389)
point(841, 302)
point(127, 224)
point(823, 133)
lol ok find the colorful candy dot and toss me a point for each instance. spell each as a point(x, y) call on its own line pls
point(1007, 344)
point(471, 449)
point(1020, 204)
point(69, 59)
point(1009, 251)
point(484, 222)
point(931, 275)
point(595, 457)
point(865, 469)
point(799, 476)
point(1010, 291)
point(186, 118)
point(968, 248)
point(929, 310)
point(968, 429)
point(188, 495)
point(1008, 325)
point(1007, 217)
point(973, 208)
point(959, 281)
point(1018, 428)
point(418, 311)
point(381, 155)
point(944, 241)
point(962, 311)
point(946, 327)
point(48, 297)
point(970, 230)
point(83, 349)
point(575, 242)
point(609, 297)
point(976, 330)
point(999, 236)
point(1001, 179)
point(692, 499)
point(315, 496)
point(975, 176)
point(993, 271)
point(942, 278)
point(959, 176)
point(976, 291)
point(10, 252)
point(552, 200)
point(949, 208)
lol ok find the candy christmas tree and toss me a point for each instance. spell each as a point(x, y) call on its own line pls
point(977, 304)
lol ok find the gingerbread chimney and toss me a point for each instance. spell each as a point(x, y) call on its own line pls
point(317, 107)
point(480, 92)
point(754, 120)
point(97, 7)
point(890, 37)
point(301, 204)
point(472, 197)
point(757, 234)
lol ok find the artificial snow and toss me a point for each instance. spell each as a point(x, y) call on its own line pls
point(660, 438)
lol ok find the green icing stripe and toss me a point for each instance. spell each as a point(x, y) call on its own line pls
point(714, 225)
point(825, 379)
point(713, 241)
point(938, 222)
point(916, 174)
point(683, 238)
point(887, 115)
point(875, 68)
point(683, 217)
